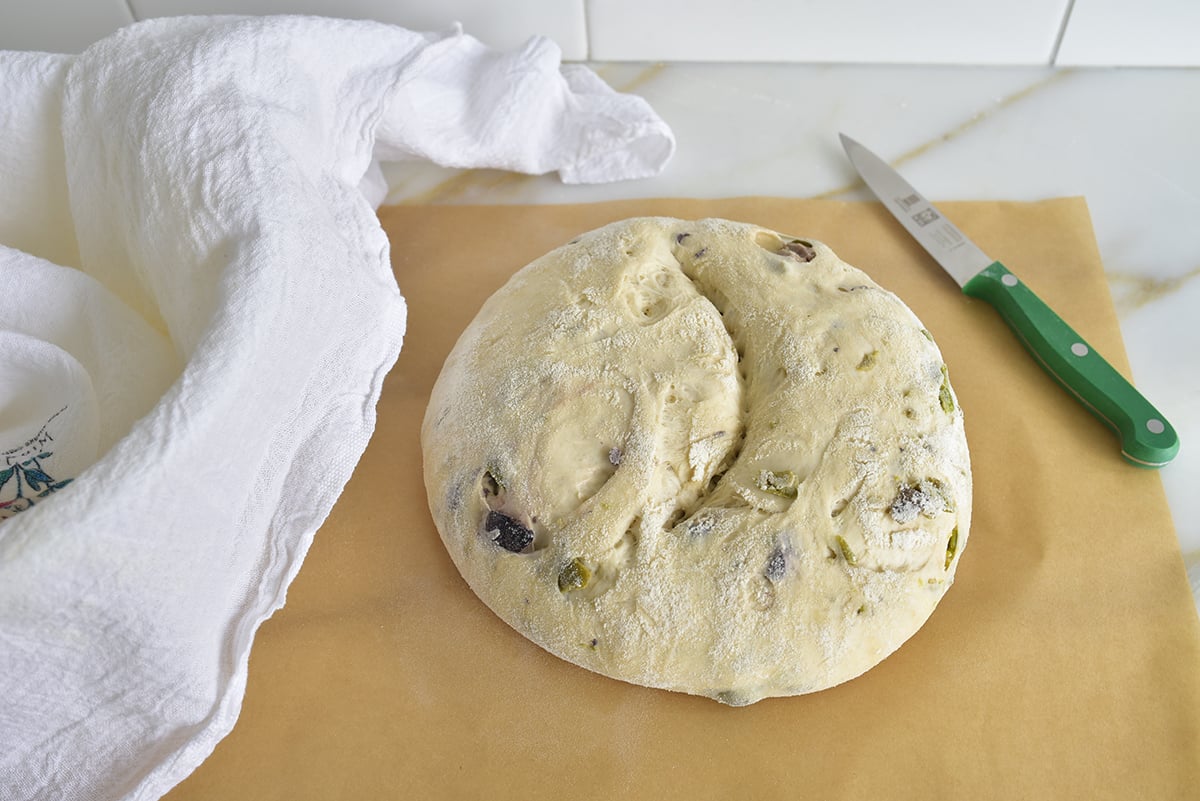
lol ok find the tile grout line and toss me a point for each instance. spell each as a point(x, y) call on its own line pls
point(587, 29)
point(1062, 32)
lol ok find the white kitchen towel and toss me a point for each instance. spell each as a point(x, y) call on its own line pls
point(197, 312)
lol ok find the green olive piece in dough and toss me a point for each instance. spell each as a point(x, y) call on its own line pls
point(575, 576)
point(783, 483)
point(945, 395)
point(951, 547)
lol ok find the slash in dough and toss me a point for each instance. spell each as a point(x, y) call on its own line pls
point(701, 456)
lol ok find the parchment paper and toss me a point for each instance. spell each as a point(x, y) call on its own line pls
point(1064, 663)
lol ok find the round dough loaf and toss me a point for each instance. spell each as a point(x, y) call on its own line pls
point(701, 456)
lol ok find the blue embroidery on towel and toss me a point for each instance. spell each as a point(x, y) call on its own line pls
point(23, 480)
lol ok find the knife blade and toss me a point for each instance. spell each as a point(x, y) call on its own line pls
point(1147, 439)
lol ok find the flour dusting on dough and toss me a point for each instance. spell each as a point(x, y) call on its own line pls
point(742, 466)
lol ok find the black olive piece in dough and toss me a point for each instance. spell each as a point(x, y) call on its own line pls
point(508, 533)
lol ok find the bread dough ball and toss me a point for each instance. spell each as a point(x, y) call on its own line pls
point(701, 456)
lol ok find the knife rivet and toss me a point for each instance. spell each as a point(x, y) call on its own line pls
point(1008, 279)
point(1079, 349)
point(1155, 425)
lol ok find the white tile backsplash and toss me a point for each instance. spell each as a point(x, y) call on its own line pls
point(59, 26)
point(904, 31)
point(1014, 32)
point(1152, 33)
point(504, 25)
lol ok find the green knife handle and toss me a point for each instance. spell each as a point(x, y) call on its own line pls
point(1147, 439)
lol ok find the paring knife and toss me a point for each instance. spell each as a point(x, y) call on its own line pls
point(1147, 439)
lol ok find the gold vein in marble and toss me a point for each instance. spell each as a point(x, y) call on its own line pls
point(642, 78)
point(957, 131)
point(1142, 290)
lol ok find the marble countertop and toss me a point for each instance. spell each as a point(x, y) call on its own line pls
point(1124, 139)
